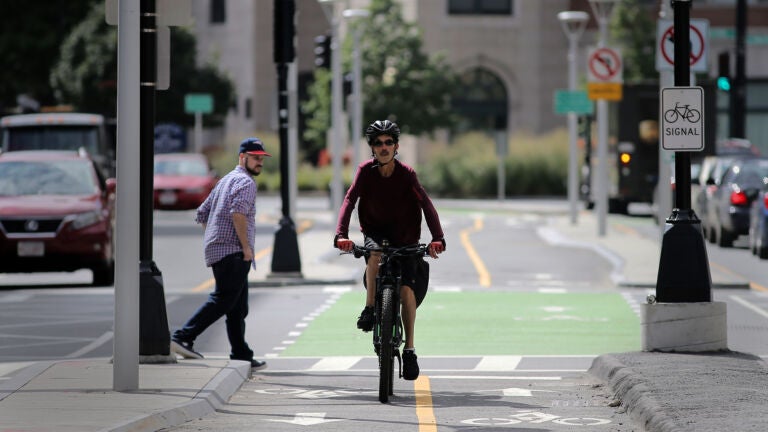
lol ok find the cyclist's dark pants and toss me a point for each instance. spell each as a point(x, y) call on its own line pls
point(414, 272)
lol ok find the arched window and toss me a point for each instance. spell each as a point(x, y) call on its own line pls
point(481, 101)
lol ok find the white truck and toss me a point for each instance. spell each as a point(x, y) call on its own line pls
point(60, 131)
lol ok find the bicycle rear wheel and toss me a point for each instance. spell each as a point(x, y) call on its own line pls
point(386, 363)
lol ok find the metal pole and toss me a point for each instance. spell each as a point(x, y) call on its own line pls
point(125, 372)
point(683, 264)
point(601, 199)
point(154, 334)
point(293, 137)
point(573, 41)
point(664, 201)
point(147, 90)
point(336, 95)
point(285, 254)
point(198, 132)
point(357, 122)
point(739, 88)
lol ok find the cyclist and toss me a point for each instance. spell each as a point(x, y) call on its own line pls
point(391, 203)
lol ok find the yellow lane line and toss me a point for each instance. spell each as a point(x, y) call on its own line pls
point(424, 412)
point(752, 285)
point(205, 286)
point(485, 277)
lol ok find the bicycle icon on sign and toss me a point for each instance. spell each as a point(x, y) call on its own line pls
point(691, 115)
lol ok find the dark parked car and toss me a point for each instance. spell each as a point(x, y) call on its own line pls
point(729, 209)
point(182, 180)
point(712, 170)
point(758, 225)
point(56, 214)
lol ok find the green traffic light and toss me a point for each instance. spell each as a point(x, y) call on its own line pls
point(723, 83)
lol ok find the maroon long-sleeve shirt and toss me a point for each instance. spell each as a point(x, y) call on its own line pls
point(390, 207)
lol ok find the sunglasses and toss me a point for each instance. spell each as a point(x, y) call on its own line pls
point(388, 143)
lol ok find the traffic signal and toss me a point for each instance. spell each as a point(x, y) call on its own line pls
point(323, 51)
point(625, 158)
point(724, 71)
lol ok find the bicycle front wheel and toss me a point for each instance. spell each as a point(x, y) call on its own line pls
point(386, 326)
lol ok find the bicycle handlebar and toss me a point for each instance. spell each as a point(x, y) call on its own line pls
point(420, 249)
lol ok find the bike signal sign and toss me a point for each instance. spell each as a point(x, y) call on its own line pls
point(682, 115)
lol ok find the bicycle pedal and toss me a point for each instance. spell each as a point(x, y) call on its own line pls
point(399, 363)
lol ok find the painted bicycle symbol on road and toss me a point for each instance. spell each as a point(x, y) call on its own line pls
point(685, 112)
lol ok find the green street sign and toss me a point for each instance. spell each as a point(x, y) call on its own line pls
point(198, 103)
point(576, 101)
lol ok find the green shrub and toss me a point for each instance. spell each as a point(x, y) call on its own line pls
point(535, 165)
point(466, 168)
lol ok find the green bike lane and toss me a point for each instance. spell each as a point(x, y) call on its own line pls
point(486, 323)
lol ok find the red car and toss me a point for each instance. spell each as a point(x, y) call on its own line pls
point(56, 214)
point(182, 180)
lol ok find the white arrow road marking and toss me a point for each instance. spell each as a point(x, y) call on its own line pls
point(516, 392)
point(306, 419)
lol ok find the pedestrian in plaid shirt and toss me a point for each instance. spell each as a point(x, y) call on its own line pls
point(228, 217)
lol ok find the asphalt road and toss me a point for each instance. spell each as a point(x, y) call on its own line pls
point(501, 352)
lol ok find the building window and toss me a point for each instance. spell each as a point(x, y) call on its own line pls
point(218, 11)
point(480, 7)
point(247, 108)
point(481, 102)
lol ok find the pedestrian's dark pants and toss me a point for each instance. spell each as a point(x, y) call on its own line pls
point(230, 298)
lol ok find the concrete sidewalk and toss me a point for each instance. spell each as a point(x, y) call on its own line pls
point(77, 395)
point(665, 392)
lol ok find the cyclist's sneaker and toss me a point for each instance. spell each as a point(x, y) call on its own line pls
point(184, 349)
point(365, 321)
point(410, 365)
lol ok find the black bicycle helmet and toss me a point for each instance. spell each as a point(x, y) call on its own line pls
point(382, 127)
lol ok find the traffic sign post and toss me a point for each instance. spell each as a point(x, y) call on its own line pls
point(683, 265)
point(604, 76)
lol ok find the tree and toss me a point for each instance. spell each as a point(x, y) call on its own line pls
point(635, 31)
point(86, 73)
point(400, 82)
point(30, 40)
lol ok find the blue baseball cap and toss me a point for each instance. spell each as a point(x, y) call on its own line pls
point(253, 146)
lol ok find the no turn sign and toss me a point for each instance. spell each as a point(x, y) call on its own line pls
point(665, 45)
point(604, 65)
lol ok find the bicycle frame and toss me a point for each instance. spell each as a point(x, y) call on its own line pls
point(388, 325)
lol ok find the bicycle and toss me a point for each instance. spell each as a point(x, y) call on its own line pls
point(388, 325)
point(691, 115)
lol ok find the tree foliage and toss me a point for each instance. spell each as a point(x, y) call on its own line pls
point(86, 73)
point(400, 82)
point(633, 28)
point(29, 41)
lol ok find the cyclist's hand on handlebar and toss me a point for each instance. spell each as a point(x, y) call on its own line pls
point(435, 248)
point(345, 244)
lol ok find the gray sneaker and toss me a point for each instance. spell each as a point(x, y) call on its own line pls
point(184, 349)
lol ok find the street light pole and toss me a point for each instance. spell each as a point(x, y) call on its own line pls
point(602, 10)
point(357, 84)
point(329, 8)
point(573, 23)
